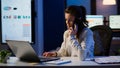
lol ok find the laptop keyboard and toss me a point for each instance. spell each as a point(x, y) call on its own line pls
point(45, 59)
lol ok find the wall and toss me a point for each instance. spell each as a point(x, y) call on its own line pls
point(54, 23)
point(101, 9)
point(105, 10)
point(85, 3)
point(38, 46)
point(49, 25)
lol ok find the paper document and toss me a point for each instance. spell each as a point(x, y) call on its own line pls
point(108, 60)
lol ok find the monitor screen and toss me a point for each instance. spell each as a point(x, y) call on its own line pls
point(114, 21)
point(16, 20)
point(94, 20)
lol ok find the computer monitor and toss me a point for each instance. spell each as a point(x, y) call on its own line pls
point(16, 20)
point(114, 22)
point(94, 20)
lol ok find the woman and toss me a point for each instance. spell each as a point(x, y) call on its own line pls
point(78, 39)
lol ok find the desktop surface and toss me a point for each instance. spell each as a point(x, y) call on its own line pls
point(75, 63)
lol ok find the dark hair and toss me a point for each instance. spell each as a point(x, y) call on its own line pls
point(83, 15)
point(80, 17)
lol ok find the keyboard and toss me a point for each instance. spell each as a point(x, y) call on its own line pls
point(108, 60)
point(45, 59)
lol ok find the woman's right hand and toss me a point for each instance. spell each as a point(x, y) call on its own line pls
point(73, 31)
point(49, 54)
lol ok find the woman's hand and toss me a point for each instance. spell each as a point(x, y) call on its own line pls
point(73, 31)
point(49, 54)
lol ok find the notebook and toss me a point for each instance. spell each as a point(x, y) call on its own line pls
point(108, 60)
point(24, 51)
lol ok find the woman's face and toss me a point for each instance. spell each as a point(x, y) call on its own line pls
point(69, 20)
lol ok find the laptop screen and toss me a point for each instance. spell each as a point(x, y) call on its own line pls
point(23, 50)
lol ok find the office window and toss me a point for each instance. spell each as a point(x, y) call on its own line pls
point(16, 20)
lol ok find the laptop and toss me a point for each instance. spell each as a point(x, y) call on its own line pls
point(24, 51)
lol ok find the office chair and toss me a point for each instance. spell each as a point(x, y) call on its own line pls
point(102, 37)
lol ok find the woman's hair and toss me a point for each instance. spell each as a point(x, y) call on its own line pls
point(83, 16)
point(80, 17)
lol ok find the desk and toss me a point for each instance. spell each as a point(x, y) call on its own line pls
point(74, 64)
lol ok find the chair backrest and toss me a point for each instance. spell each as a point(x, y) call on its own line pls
point(102, 37)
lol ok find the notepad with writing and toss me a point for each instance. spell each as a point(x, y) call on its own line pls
point(58, 62)
point(108, 60)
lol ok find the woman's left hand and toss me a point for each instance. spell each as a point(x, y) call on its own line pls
point(49, 54)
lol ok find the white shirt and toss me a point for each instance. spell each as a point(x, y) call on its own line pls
point(71, 46)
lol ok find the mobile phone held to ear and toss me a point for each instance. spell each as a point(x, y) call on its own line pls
point(75, 27)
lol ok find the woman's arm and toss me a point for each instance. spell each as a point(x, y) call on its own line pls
point(62, 51)
point(84, 45)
